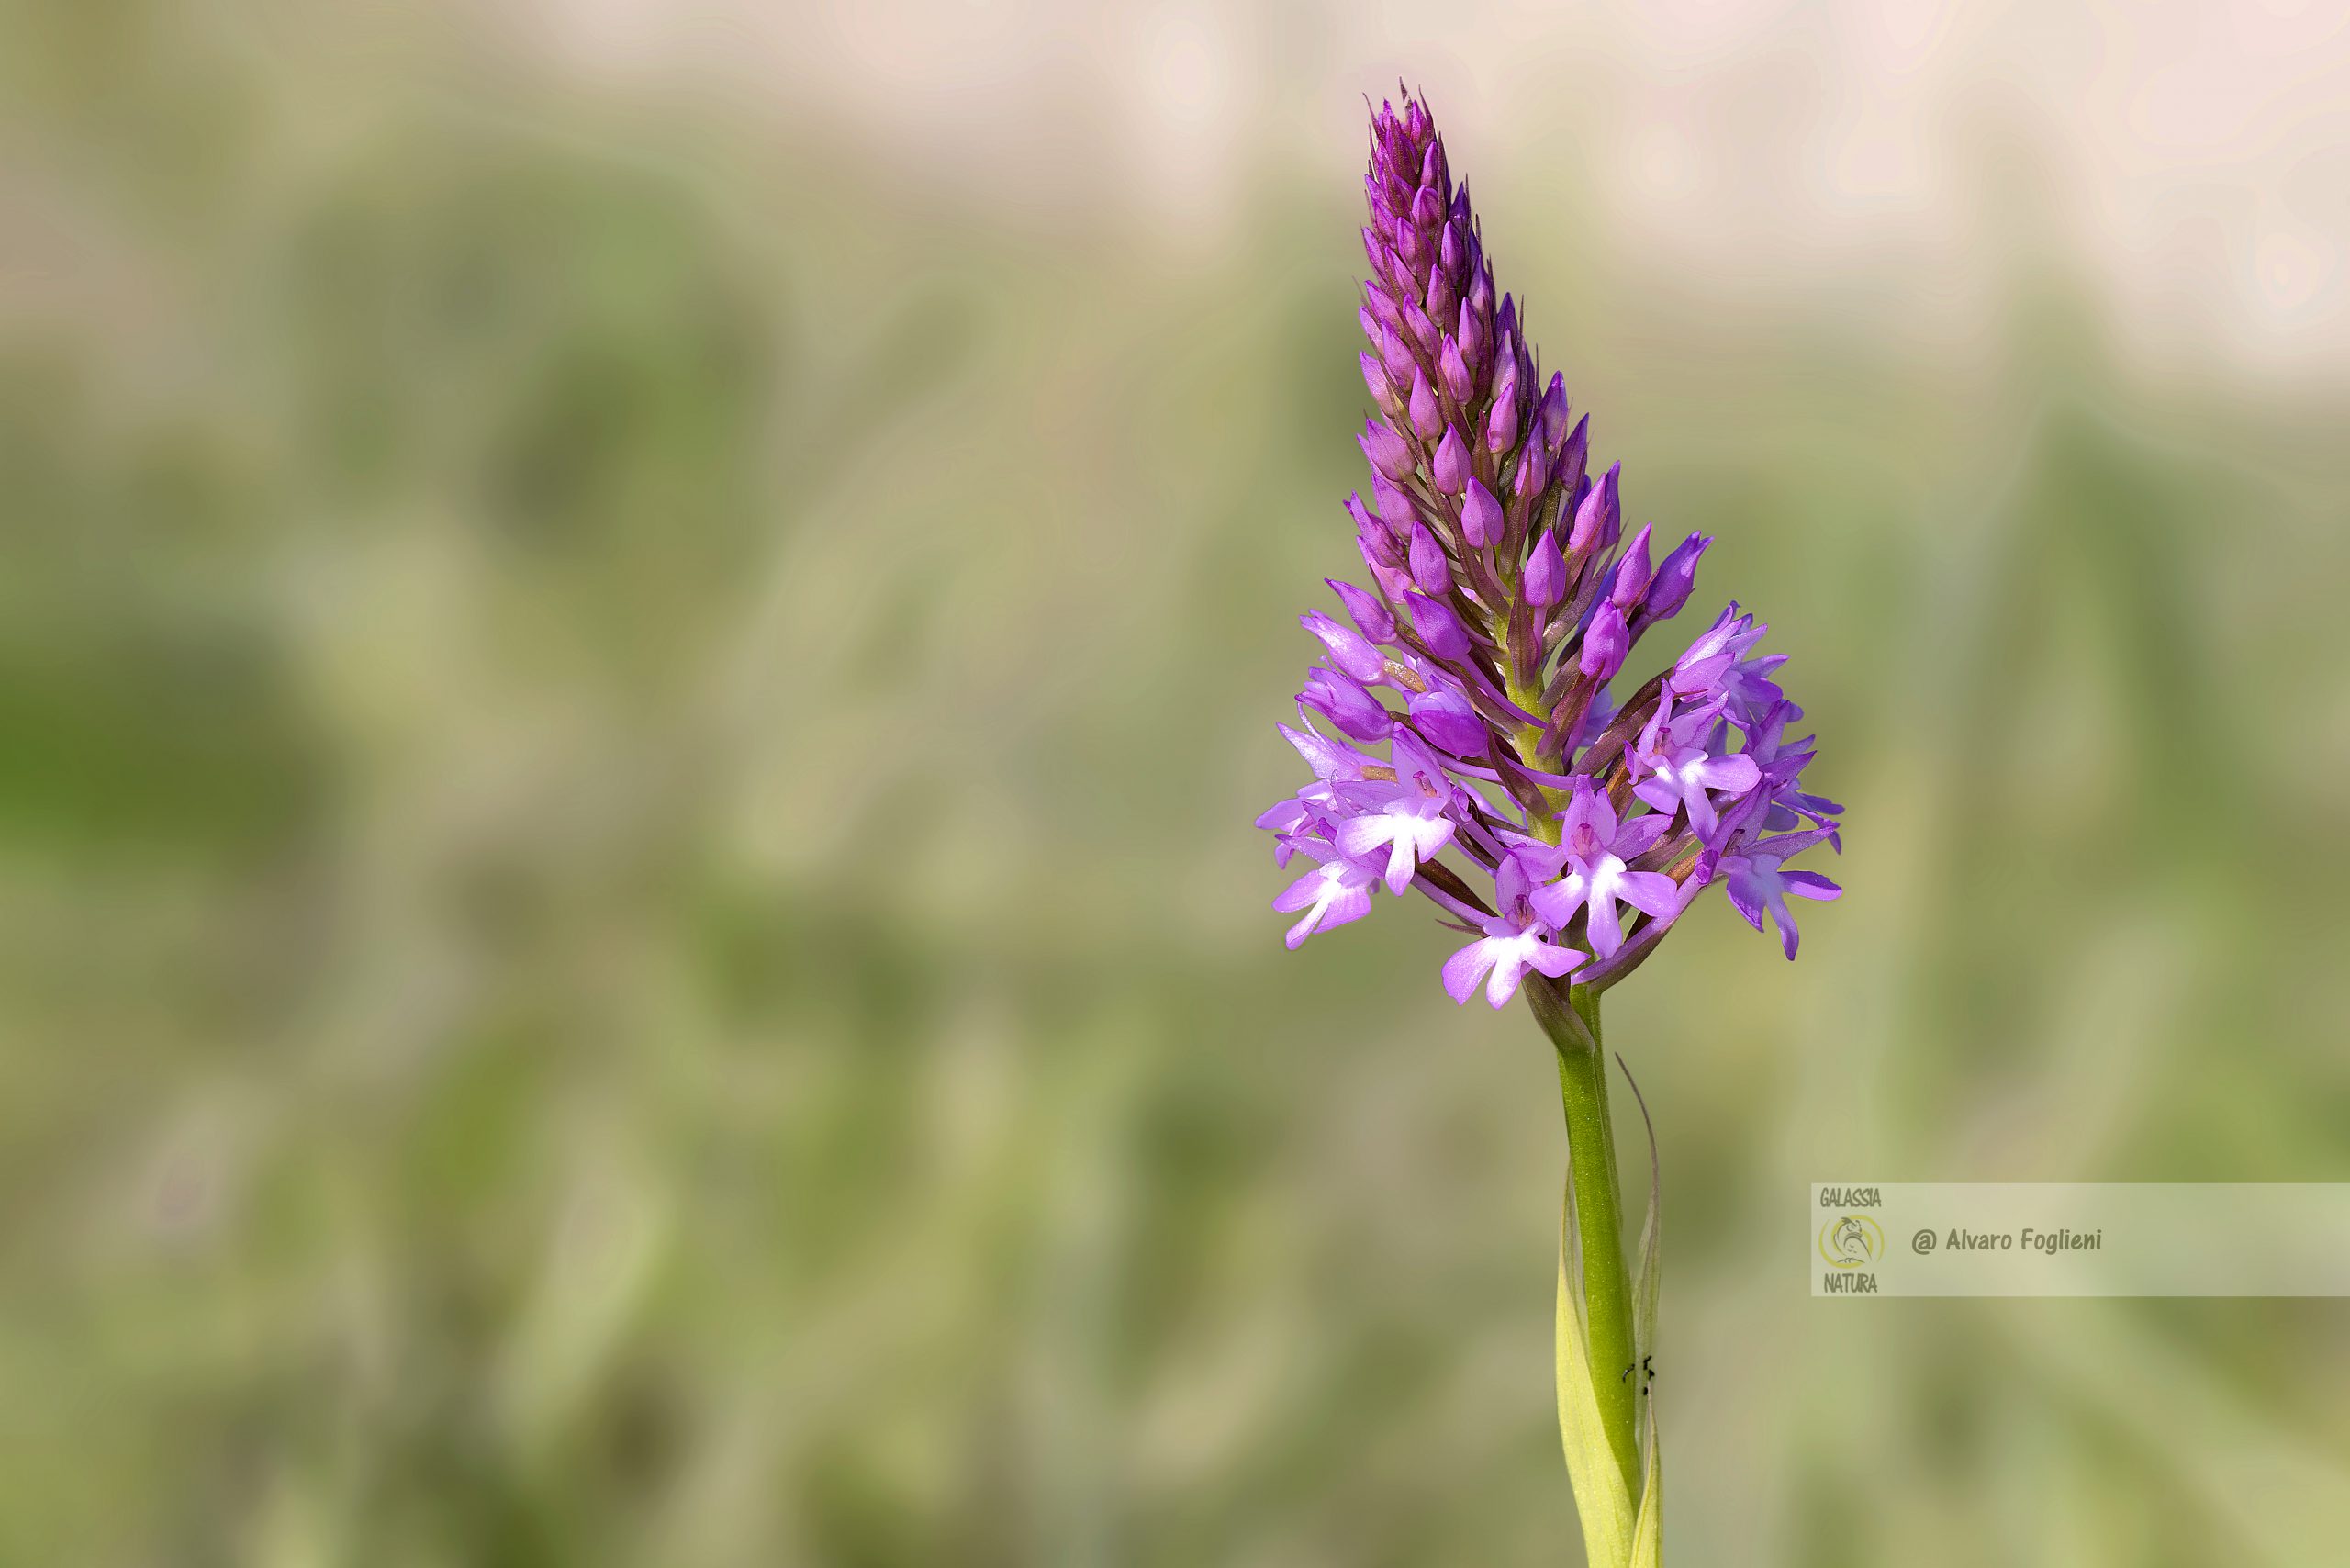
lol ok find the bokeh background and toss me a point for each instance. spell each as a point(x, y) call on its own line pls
point(636, 644)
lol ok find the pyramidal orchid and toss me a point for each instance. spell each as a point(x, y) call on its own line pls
point(1475, 739)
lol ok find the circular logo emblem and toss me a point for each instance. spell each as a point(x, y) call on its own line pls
point(1853, 1241)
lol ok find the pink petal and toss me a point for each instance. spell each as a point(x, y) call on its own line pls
point(1466, 968)
point(1810, 885)
point(1651, 893)
point(1301, 892)
point(1509, 968)
point(1554, 960)
point(1400, 866)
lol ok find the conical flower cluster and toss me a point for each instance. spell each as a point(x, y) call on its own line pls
point(1562, 826)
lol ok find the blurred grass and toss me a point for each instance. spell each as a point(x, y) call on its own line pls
point(627, 935)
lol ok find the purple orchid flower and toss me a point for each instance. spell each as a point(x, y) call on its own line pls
point(1514, 941)
point(1758, 883)
point(1593, 851)
point(1678, 772)
point(1335, 891)
point(1410, 815)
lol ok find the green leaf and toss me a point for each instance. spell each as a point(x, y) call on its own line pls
point(1647, 1532)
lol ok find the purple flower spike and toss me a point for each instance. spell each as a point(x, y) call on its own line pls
point(1569, 818)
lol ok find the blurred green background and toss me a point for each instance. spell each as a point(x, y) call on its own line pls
point(635, 650)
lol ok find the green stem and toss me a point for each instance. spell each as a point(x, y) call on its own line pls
point(1573, 1029)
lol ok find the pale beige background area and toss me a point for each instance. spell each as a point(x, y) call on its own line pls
point(636, 643)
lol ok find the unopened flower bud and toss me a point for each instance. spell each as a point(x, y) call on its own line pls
point(1501, 426)
point(1427, 420)
point(1447, 721)
point(1632, 572)
point(1396, 356)
point(1546, 573)
point(1554, 413)
point(1388, 452)
point(1410, 246)
point(1430, 568)
point(1675, 576)
point(1575, 456)
point(1342, 699)
point(1374, 380)
point(1440, 301)
point(1595, 518)
point(1605, 643)
point(1350, 650)
point(1371, 616)
point(1437, 626)
point(1471, 337)
point(1480, 515)
point(1455, 371)
point(1533, 473)
point(1451, 464)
